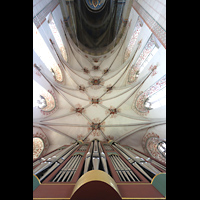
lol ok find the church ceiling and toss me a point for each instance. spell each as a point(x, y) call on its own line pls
point(95, 99)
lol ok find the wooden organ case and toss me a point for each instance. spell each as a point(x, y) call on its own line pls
point(98, 170)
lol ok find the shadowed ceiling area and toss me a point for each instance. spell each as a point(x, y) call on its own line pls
point(99, 72)
point(97, 22)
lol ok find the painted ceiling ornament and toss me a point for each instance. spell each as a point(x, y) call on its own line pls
point(81, 88)
point(94, 100)
point(139, 102)
point(79, 109)
point(153, 69)
point(112, 111)
point(51, 103)
point(150, 143)
point(134, 74)
point(95, 67)
point(151, 43)
point(133, 39)
point(86, 71)
point(96, 126)
point(109, 88)
point(95, 5)
point(95, 82)
point(40, 143)
point(38, 147)
point(105, 71)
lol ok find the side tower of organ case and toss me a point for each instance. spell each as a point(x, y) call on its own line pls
point(98, 170)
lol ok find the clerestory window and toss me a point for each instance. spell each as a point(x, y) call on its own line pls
point(45, 55)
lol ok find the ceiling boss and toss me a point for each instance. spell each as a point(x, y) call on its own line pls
point(95, 4)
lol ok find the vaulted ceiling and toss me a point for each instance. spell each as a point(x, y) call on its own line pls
point(95, 98)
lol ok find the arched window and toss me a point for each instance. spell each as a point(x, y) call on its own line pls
point(162, 148)
point(133, 39)
point(43, 99)
point(38, 147)
point(153, 97)
point(57, 36)
point(45, 55)
point(146, 55)
point(156, 100)
point(154, 146)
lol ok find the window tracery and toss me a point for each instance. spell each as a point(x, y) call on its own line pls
point(45, 55)
point(57, 37)
point(154, 146)
point(162, 148)
point(153, 97)
point(38, 147)
point(43, 99)
point(133, 39)
point(146, 55)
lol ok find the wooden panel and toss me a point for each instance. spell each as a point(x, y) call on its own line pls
point(53, 191)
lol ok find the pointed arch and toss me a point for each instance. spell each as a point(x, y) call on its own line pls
point(43, 99)
point(146, 55)
point(133, 39)
point(45, 55)
point(142, 97)
point(56, 34)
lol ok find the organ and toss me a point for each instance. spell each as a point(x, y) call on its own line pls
point(98, 170)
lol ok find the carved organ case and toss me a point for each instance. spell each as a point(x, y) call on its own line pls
point(98, 170)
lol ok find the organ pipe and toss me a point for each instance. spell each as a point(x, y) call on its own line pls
point(53, 162)
point(87, 158)
point(103, 158)
point(95, 156)
point(137, 161)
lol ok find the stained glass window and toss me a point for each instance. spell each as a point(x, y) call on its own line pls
point(45, 55)
point(162, 148)
point(153, 97)
point(157, 100)
point(133, 39)
point(146, 55)
point(42, 98)
point(57, 37)
point(38, 147)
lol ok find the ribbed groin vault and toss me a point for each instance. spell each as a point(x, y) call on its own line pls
point(99, 99)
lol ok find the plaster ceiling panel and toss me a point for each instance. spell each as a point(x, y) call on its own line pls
point(118, 101)
point(76, 132)
point(115, 93)
point(115, 132)
point(115, 78)
point(117, 119)
point(75, 93)
point(56, 138)
point(78, 76)
point(95, 113)
point(75, 101)
point(96, 91)
point(135, 139)
point(74, 118)
point(69, 82)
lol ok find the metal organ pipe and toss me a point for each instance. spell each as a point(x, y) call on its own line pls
point(136, 161)
point(53, 162)
point(103, 159)
point(95, 156)
point(88, 158)
point(123, 171)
